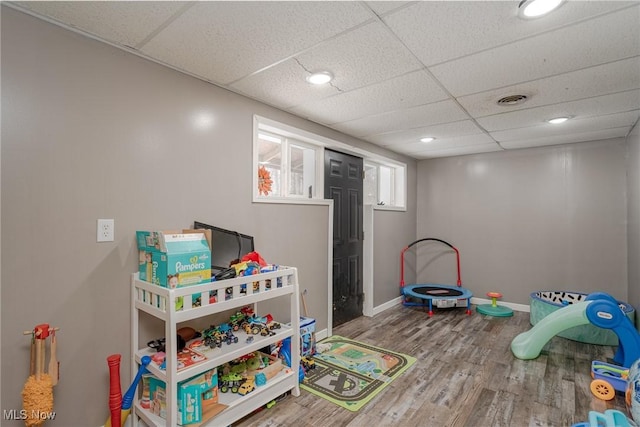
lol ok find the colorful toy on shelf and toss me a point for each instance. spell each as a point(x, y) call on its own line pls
point(230, 381)
point(247, 386)
point(261, 379)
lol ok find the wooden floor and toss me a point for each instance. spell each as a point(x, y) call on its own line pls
point(465, 375)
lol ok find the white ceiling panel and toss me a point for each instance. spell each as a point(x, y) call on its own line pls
point(449, 143)
point(283, 86)
point(424, 115)
point(127, 23)
point(579, 126)
point(441, 132)
point(459, 151)
point(568, 138)
point(403, 70)
point(224, 41)
point(547, 54)
point(584, 108)
point(406, 91)
point(439, 31)
point(366, 55)
point(615, 77)
point(382, 7)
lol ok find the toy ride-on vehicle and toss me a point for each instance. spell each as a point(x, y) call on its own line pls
point(607, 379)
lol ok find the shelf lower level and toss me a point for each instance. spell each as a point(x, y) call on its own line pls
point(237, 406)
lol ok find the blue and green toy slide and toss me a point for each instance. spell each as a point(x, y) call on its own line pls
point(599, 309)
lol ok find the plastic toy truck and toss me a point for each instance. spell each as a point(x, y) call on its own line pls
point(607, 379)
point(231, 382)
point(247, 387)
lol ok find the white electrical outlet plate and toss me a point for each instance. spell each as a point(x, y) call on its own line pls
point(106, 230)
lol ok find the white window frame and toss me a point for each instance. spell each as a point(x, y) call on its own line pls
point(289, 135)
point(319, 143)
point(397, 186)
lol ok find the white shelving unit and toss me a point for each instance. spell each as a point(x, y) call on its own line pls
point(229, 294)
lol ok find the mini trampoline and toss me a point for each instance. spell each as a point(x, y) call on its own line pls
point(427, 293)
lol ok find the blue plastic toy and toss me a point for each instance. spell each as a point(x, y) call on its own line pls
point(610, 418)
point(607, 379)
point(599, 309)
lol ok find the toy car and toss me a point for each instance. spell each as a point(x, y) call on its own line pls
point(247, 387)
point(307, 363)
point(231, 382)
point(607, 379)
point(230, 338)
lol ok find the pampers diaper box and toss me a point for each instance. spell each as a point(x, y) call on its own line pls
point(175, 258)
point(195, 395)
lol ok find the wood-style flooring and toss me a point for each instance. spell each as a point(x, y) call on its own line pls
point(465, 375)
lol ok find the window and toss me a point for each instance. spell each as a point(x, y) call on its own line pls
point(270, 164)
point(385, 185)
point(289, 165)
point(289, 168)
point(286, 167)
point(302, 170)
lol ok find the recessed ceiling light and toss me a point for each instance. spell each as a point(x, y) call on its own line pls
point(427, 139)
point(558, 120)
point(320, 78)
point(536, 8)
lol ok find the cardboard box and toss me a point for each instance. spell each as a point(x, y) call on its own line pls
point(146, 246)
point(175, 258)
point(194, 395)
point(307, 336)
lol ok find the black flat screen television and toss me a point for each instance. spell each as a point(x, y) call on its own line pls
point(227, 245)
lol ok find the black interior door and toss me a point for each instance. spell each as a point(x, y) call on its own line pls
point(343, 184)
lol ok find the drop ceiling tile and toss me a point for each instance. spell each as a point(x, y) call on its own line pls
point(382, 7)
point(619, 76)
point(595, 135)
point(590, 124)
point(127, 23)
point(442, 132)
point(408, 90)
point(282, 86)
point(439, 31)
point(424, 115)
point(366, 55)
point(224, 41)
point(473, 140)
point(596, 106)
point(605, 39)
point(460, 151)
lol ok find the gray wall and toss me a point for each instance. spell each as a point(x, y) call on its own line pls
point(633, 218)
point(88, 132)
point(551, 218)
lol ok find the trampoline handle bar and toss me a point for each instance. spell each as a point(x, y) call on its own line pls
point(422, 240)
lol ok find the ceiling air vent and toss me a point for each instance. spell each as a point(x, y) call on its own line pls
point(512, 100)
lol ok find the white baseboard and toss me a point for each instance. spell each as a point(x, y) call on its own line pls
point(387, 305)
point(320, 335)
